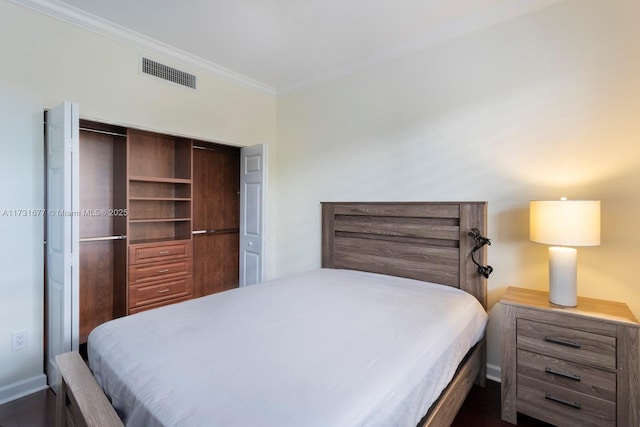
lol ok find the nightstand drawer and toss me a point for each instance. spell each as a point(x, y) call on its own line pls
point(568, 344)
point(583, 379)
point(560, 406)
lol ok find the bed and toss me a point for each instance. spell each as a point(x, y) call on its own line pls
point(345, 345)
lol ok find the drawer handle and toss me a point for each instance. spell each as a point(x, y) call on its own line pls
point(163, 291)
point(575, 405)
point(562, 374)
point(166, 270)
point(562, 342)
point(163, 253)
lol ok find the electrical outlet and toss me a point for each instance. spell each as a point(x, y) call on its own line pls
point(18, 340)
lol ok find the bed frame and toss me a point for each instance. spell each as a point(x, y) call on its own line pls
point(427, 241)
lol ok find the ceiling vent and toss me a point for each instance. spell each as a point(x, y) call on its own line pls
point(167, 73)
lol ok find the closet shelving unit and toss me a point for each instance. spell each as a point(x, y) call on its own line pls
point(159, 199)
point(159, 188)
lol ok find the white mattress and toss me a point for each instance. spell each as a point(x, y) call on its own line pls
point(326, 348)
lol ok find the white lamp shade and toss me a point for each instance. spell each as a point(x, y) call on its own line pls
point(565, 222)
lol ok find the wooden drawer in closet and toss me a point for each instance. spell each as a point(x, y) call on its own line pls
point(159, 271)
point(146, 253)
point(159, 291)
point(159, 274)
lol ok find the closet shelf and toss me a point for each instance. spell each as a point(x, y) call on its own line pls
point(161, 199)
point(158, 240)
point(142, 220)
point(159, 179)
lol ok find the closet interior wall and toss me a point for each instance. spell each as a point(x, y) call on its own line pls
point(102, 223)
point(216, 217)
point(159, 221)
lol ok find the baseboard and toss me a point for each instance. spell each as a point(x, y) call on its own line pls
point(494, 372)
point(23, 388)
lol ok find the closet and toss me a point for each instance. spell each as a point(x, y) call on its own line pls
point(159, 221)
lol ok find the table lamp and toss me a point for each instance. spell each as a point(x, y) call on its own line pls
point(564, 223)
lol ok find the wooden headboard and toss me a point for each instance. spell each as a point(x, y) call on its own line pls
point(426, 241)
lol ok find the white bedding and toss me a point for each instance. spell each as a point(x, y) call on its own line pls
point(326, 348)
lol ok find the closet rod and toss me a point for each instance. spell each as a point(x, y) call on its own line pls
point(221, 231)
point(199, 147)
point(104, 132)
point(98, 239)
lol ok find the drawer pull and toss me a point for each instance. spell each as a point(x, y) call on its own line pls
point(163, 253)
point(562, 374)
point(562, 342)
point(163, 291)
point(166, 270)
point(562, 401)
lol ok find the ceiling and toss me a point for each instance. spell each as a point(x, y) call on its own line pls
point(283, 45)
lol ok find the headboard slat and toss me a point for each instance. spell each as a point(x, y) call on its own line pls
point(431, 264)
point(430, 228)
point(406, 210)
point(402, 239)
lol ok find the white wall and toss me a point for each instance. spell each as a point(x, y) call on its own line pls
point(542, 106)
point(44, 62)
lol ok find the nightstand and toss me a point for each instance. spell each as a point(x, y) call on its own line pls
point(570, 366)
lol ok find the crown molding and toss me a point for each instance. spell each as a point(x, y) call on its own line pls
point(468, 24)
point(79, 18)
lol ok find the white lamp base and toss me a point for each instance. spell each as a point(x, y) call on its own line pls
point(563, 276)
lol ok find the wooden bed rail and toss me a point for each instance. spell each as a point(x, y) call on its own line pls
point(80, 400)
point(444, 410)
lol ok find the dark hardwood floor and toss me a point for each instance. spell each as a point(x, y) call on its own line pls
point(480, 409)
point(36, 410)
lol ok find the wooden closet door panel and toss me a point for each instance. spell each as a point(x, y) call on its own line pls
point(216, 189)
point(215, 263)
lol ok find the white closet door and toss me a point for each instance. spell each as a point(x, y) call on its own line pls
point(62, 136)
point(253, 177)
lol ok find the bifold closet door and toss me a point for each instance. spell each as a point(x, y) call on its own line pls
point(61, 142)
point(216, 220)
point(102, 228)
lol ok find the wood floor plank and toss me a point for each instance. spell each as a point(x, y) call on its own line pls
point(36, 410)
